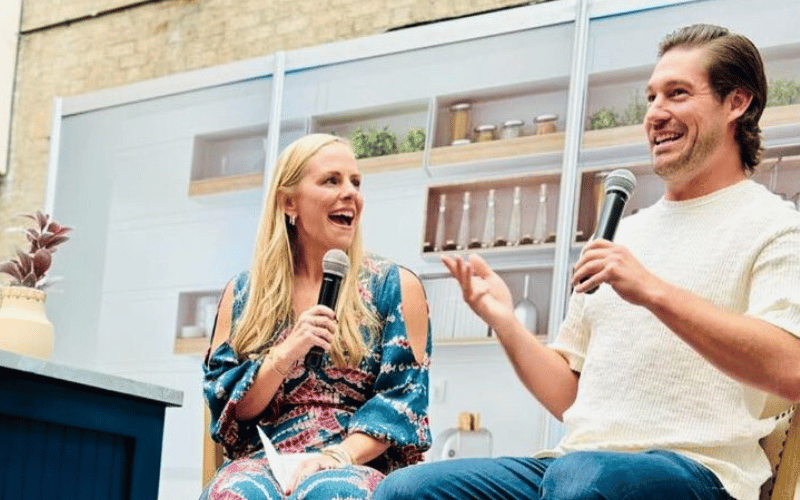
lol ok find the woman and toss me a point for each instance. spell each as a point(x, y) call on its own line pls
point(365, 408)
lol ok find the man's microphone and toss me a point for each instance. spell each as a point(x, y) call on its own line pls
point(334, 268)
point(619, 186)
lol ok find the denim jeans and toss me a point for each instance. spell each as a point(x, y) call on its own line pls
point(651, 475)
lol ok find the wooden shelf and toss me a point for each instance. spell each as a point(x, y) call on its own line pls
point(500, 148)
point(780, 115)
point(388, 163)
point(225, 184)
point(631, 134)
point(614, 136)
point(196, 346)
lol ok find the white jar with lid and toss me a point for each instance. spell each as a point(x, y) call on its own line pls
point(511, 129)
point(546, 124)
point(485, 132)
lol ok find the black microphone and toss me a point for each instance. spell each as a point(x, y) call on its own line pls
point(334, 268)
point(619, 186)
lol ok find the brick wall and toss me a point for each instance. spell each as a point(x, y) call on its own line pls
point(117, 42)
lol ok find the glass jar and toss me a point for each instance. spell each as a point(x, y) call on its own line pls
point(511, 129)
point(459, 121)
point(546, 124)
point(486, 132)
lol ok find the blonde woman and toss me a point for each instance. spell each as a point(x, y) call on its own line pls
point(365, 408)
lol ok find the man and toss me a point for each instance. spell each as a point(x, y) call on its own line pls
point(660, 376)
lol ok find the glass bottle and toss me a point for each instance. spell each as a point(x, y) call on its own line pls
point(516, 216)
point(540, 223)
point(438, 243)
point(488, 224)
point(463, 228)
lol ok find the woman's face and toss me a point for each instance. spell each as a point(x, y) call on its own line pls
point(328, 201)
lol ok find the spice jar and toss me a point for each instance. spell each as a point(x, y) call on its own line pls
point(459, 121)
point(546, 124)
point(485, 132)
point(511, 129)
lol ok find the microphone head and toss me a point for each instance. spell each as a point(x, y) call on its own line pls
point(622, 181)
point(335, 262)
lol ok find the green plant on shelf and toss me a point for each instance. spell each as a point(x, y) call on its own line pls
point(782, 92)
point(603, 118)
point(373, 142)
point(415, 140)
point(635, 111)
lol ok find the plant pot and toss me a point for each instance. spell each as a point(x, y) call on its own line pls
point(24, 327)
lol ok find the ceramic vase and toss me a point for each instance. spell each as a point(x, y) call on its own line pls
point(24, 326)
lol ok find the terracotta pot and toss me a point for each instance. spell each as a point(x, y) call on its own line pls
point(24, 327)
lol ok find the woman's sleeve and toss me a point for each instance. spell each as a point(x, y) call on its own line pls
point(225, 382)
point(226, 379)
point(398, 411)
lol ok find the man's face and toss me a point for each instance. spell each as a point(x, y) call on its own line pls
point(685, 121)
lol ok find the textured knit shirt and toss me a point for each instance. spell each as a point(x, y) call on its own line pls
point(641, 387)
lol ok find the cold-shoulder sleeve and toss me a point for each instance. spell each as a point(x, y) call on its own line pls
point(226, 379)
point(397, 413)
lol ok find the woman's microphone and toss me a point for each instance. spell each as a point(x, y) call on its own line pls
point(334, 268)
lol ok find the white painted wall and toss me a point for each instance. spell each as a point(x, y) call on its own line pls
point(9, 36)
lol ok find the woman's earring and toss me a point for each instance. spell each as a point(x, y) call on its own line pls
point(292, 220)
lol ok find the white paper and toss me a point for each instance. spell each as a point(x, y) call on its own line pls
point(282, 465)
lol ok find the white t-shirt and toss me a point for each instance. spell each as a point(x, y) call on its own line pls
point(641, 387)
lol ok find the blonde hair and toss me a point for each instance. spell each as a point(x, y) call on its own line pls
point(269, 302)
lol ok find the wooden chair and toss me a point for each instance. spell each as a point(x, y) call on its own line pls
point(783, 450)
point(212, 451)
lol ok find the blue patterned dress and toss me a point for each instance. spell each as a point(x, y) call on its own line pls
point(386, 397)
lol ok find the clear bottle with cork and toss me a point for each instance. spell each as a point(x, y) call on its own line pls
point(540, 223)
point(438, 244)
point(489, 222)
point(463, 228)
point(468, 439)
point(516, 217)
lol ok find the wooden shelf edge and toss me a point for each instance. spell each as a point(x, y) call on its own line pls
point(780, 115)
point(193, 346)
point(613, 136)
point(477, 341)
point(633, 134)
point(225, 184)
point(494, 251)
point(499, 148)
point(390, 163)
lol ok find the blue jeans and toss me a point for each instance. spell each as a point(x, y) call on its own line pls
point(652, 475)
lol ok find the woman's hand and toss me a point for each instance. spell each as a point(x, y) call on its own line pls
point(310, 466)
point(316, 326)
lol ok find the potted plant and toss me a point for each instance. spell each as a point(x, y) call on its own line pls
point(24, 327)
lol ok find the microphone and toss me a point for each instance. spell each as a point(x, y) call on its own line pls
point(334, 268)
point(619, 186)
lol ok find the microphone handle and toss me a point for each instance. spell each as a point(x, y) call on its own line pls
point(328, 296)
point(613, 207)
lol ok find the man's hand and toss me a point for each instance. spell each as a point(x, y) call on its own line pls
point(605, 262)
point(484, 291)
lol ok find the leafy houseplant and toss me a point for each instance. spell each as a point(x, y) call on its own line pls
point(783, 92)
point(373, 142)
point(24, 326)
point(28, 269)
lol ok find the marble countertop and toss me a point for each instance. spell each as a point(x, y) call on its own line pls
point(171, 397)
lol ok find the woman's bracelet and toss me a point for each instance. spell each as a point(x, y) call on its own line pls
point(339, 454)
point(271, 359)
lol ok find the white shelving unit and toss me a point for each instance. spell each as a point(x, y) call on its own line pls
point(160, 224)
